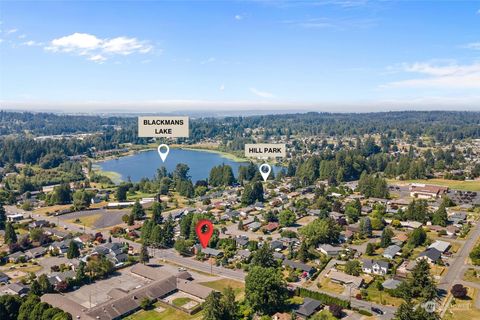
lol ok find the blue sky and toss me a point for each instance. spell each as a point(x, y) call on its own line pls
point(165, 56)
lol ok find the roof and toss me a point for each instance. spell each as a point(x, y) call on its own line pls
point(391, 284)
point(329, 249)
point(298, 265)
point(308, 307)
point(428, 188)
point(194, 289)
point(369, 263)
point(431, 253)
point(211, 251)
point(345, 278)
point(391, 251)
point(149, 272)
point(441, 246)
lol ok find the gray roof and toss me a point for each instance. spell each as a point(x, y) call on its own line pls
point(392, 250)
point(309, 307)
point(432, 253)
point(212, 252)
point(370, 263)
point(298, 265)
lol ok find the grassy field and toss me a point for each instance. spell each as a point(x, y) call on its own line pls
point(51, 209)
point(237, 286)
point(167, 314)
point(327, 285)
point(463, 309)
point(114, 176)
point(178, 302)
point(382, 297)
point(88, 221)
point(472, 275)
point(452, 184)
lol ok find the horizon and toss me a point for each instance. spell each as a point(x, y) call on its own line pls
point(353, 56)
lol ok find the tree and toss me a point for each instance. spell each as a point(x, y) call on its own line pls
point(475, 255)
point(353, 267)
point(183, 247)
point(82, 199)
point(9, 306)
point(10, 235)
point(440, 216)
point(157, 213)
point(366, 227)
point(62, 194)
point(146, 304)
point(286, 218)
point(320, 230)
point(137, 211)
point(370, 250)
point(27, 306)
point(421, 284)
point(130, 219)
point(73, 250)
point(263, 257)
point(386, 238)
point(240, 225)
point(45, 285)
point(144, 257)
point(335, 310)
point(459, 291)
point(121, 193)
point(212, 307)
point(417, 237)
point(265, 290)
point(3, 217)
point(303, 254)
point(252, 192)
point(80, 275)
point(229, 305)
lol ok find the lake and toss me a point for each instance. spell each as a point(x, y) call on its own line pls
point(145, 164)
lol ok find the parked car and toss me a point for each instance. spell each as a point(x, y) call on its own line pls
point(377, 310)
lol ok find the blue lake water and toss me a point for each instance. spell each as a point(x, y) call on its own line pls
point(145, 164)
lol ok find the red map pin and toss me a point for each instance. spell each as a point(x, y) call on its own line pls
point(204, 230)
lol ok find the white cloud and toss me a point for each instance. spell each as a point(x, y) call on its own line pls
point(209, 60)
point(31, 43)
point(437, 75)
point(262, 94)
point(238, 17)
point(222, 87)
point(98, 49)
point(473, 45)
point(11, 31)
point(22, 36)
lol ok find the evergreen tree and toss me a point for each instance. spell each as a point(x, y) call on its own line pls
point(370, 250)
point(386, 238)
point(212, 307)
point(263, 257)
point(10, 235)
point(265, 290)
point(3, 217)
point(366, 227)
point(81, 276)
point(144, 257)
point(73, 250)
point(137, 211)
point(440, 216)
point(157, 213)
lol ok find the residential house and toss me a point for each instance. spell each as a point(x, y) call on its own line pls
point(210, 252)
point(441, 246)
point(391, 251)
point(276, 245)
point(305, 268)
point(243, 254)
point(377, 267)
point(16, 288)
point(36, 252)
point(345, 279)
point(432, 255)
point(271, 226)
point(308, 308)
point(254, 226)
point(242, 241)
point(39, 224)
point(17, 257)
point(4, 278)
point(329, 250)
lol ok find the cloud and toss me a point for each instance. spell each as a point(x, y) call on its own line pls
point(473, 45)
point(238, 17)
point(31, 43)
point(209, 60)
point(262, 94)
point(98, 49)
point(329, 23)
point(222, 87)
point(440, 75)
point(11, 31)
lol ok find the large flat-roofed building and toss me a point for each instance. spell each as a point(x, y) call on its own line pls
point(427, 191)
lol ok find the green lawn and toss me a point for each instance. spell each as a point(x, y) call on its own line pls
point(178, 302)
point(472, 275)
point(463, 308)
point(382, 297)
point(237, 286)
point(167, 314)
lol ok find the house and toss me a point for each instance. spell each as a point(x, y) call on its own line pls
point(345, 279)
point(276, 245)
point(329, 250)
point(39, 224)
point(36, 252)
point(14, 217)
point(57, 233)
point(308, 308)
point(212, 252)
point(391, 284)
point(457, 218)
point(427, 191)
point(405, 268)
point(441, 246)
point(16, 257)
point(411, 224)
point(377, 267)
point(391, 251)
point(432, 255)
point(254, 226)
point(241, 241)
point(62, 246)
point(4, 278)
point(307, 270)
point(57, 277)
point(278, 256)
point(16, 288)
point(271, 226)
point(243, 254)
point(85, 238)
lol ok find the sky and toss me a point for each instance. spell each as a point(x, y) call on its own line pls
point(169, 56)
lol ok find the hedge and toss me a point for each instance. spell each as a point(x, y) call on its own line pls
point(322, 297)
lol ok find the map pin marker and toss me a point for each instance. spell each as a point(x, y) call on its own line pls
point(204, 230)
point(163, 155)
point(265, 171)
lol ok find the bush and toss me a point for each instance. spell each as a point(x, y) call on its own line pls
point(322, 297)
point(365, 313)
point(459, 291)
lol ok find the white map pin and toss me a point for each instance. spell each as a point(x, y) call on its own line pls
point(163, 155)
point(265, 171)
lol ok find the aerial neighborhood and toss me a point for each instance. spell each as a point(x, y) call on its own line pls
point(349, 225)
